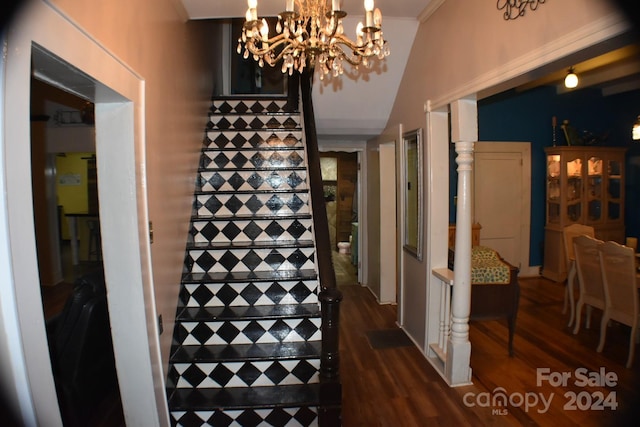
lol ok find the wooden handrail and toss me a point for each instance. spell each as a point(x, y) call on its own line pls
point(329, 413)
point(320, 221)
point(329, 295)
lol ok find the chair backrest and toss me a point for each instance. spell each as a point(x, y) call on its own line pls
point(588, 267)
point(572, 231)
point(82, 349)
point(618, 266)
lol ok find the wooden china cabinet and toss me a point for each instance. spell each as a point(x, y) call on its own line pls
point(585, 185)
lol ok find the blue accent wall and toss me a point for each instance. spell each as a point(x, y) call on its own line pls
point(527, 117)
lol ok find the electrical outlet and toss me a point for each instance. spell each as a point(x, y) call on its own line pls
point(160, 327)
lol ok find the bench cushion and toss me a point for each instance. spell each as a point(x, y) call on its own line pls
point(487, 267)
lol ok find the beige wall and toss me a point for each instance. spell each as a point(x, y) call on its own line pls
point(465, 47)
point(173, 58)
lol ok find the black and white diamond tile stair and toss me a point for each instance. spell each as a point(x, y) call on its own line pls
point(246, 344)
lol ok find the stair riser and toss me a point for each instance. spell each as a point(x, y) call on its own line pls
point(241, 106)
point(249, 293)
point(249, 332)
point(243, 260)
point(253, 139)
point(308, 416)
point(252, 180)
point(247, 374)
point(230, 205)
point(245, 231)
point(252, 122)
point(252, 159)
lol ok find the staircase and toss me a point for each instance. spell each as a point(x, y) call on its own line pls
point(247, 342)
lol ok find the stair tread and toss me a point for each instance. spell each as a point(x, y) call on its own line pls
point(254, 131)
point(244, 276)
point(255, 397)
point(248, 352)
point(249, 192)
point(275, 244)
point(263, 148)
point(251, 113)
point(227, 313)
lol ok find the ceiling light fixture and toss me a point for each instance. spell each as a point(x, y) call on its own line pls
point(571, 80)
point(310, 34)
point(635, 131)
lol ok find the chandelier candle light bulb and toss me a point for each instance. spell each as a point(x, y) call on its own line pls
point(368, 7)
point(253, 10)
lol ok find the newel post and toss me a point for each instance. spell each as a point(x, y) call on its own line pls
point(329, 412)
point(330, 355)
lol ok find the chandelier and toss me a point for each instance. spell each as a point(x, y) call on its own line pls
point(310, 33)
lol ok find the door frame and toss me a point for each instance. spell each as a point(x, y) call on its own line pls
point(324, 147)
point(119, 98)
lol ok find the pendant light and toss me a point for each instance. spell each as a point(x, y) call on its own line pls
point(571, 81)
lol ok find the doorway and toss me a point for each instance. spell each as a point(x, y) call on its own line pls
point(68, 243)
point(64, 180)
point(340, 180)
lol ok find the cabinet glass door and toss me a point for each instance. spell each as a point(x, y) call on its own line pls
point(614, 189)
point(574, 189)
point(594, 189)
point(553, 188)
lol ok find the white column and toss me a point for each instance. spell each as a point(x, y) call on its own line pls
point(464, 130)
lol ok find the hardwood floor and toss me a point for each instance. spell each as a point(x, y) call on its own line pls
point(398, 387)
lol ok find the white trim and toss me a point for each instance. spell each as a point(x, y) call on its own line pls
point(437, 220)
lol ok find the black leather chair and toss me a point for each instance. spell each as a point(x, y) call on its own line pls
point(81, 350)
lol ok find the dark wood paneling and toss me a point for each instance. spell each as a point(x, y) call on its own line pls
point(345, 192)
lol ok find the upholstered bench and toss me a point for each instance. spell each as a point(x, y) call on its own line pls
point(495, 292)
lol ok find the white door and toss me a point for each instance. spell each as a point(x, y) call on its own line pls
point(502, 194)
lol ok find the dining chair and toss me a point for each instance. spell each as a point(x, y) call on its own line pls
point(568, 234)
point(587, 260)
point(620, 291)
